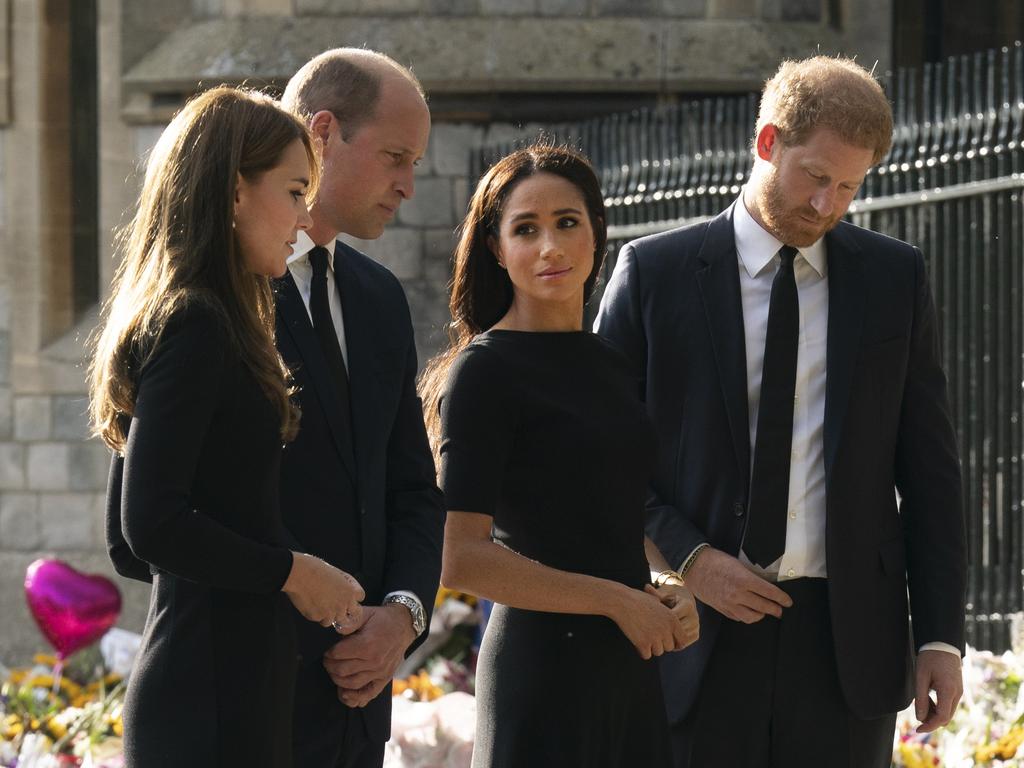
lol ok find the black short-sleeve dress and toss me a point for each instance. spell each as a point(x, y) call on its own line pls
point(546, 433)
point(193, 505)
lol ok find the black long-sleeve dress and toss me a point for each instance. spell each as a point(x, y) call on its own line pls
point(546, 433)
point(198, 511)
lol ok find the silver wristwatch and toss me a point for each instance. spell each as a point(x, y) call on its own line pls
point(419, 618)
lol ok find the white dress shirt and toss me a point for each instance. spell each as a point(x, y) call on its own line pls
point(302, 273)
point(758, 257)
point(757, 254)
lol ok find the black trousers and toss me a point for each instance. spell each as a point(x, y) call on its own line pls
point(771, 698)
point(326, 734)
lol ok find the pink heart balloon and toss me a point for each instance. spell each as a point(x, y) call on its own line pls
point(72, 609)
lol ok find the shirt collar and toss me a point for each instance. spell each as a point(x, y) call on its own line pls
point(756, 246)
point(304, 244)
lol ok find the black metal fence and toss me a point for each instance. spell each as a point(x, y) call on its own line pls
point(951, 184)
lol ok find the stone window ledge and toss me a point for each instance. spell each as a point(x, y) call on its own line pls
point(477, 55)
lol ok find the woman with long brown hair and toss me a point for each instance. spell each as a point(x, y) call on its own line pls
point(545, 452)
point(188, 390)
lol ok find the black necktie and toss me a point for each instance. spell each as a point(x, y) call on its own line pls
point(323, 326)
point(765, 539)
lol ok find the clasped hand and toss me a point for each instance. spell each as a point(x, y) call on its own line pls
point(364, 662)
point(323, 593)
point(659, 619)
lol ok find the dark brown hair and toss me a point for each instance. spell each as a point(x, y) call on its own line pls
point(481, 291)
point(180, 247)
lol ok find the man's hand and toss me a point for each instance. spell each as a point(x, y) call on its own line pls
point(724, 583)
point(366, 660)
point(941, 672)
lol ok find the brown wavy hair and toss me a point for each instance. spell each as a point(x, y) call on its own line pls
point(180, 248)
point(481, 291)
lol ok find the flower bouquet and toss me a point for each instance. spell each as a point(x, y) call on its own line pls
point(988, 727)
point(50, 719)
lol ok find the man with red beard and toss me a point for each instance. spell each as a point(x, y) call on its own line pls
point(789, 361)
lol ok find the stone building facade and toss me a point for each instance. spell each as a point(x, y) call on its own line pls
point(87, 85)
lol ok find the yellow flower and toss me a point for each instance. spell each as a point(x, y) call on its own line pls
point(46, 659)
point(56, 728)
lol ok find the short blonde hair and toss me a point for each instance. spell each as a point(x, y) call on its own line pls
point(834, 93)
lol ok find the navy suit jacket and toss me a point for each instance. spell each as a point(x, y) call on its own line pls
point(399, 507)
point(673, 307)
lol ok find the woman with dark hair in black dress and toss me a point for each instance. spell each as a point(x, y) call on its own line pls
point(545, 452)
point(188, 389)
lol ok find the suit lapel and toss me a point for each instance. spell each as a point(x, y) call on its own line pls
point(846, 295)
point(719, 284)
point(295, 320)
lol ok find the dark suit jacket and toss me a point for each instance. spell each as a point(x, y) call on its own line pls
point(399, 507)
point(673, 306)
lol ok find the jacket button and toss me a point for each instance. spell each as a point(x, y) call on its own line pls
point(737, 509)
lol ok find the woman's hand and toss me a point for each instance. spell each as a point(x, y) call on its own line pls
point(650, 626)
point(679, 600)
point(324, 594)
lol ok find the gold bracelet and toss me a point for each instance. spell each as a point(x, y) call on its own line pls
point(666, 576)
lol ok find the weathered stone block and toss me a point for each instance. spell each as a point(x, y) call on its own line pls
point(19, 521)
point(12, 466)
point(625, 7)
point(70, 417)
point(207, 9)
point(451, 145)
point(451, 7)
point(66, 520)
point(400, 249)
point(690, 9)
point(439, 250)
point(257, 7)
point(508, 7)
point(88, 466)
point(460, 197)
point(430, 206)
point(5, 357)
point(32, 417)
point(732, 9)
point(391, 6)
point(5, 304)
point(48, 466)
point(693, 50)
point(564, 7)
point(801, 10)
point(327, 6)
point(6, 413)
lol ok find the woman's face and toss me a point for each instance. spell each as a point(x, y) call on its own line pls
point(546, 243)
point(269, 211)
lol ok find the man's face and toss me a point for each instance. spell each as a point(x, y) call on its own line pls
point(368, 176)
point(805, 189)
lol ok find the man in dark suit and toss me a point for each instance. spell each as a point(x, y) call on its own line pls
point(789, 361)
point(358, 483)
